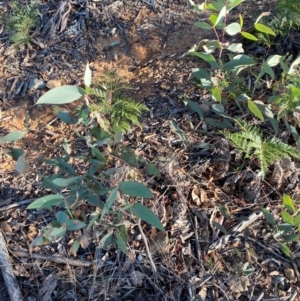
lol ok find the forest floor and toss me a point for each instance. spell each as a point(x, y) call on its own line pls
point(144, 45)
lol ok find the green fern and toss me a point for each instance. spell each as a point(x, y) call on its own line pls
point(124, 112)
point(285, 19)
point(21, 20)
point(250, 141)
point(118, 111)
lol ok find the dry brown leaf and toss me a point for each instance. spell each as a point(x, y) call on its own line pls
point(32, 232)
point(84, 241)
point(137, 278)
point(6, 227)
point(159, 243)
point(199, 196)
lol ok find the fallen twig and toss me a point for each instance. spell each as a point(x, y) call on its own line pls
point(74, 262)
point(7, 272)
point(24, 202)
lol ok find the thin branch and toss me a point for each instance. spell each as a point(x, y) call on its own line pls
point(64, 260)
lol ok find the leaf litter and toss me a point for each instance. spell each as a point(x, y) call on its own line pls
point(193, 184)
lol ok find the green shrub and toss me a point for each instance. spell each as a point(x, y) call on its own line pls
point(287, 232)
point(233, 76)
point(21, 20)
point(103, 135)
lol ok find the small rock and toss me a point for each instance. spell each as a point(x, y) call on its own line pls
point(53, 83)
point(289, 274)
point(35, 84)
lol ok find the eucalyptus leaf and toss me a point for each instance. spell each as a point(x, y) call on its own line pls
point(270, 218)
point(195, 107)
point(288, 202)
point(135, 189)
point(220, 227)
point(285, 249)
point(13, 136)
point(121, 243)
point(46, 201)
point(255, 110)
point(249, 36)
point(73, 225)
point(147, 215)
point(61, 95)
point(264, 29)
point(233, 28)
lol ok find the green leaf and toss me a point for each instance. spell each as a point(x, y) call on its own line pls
point(206, 57)
point(62, 164)
point(249, 36)
point(285, 227)
point(264, 29)
point(285, 249)
point(123, 233)
point(135, 189)
point(61, 95)
point(255, 110)
point(46, 201)
point(234, 3)
point(235, 47)
point(241, 20)
point(270, 218)
point(94, 200)
point(291, 237)
point(203, 76)
point(202, 25)
point(219, 124)
point(66, 117)
point(273, 60)
point(221, 16)
point(147, 215)
point(287, 217)
point(109, 202)
point(13, 136)
point(87, 76)
point(39, 241)
point(233, 28)
point(224, 211)
point(62, 217)
point(238, 61)
point(73, 225)
point(15, 153)
point(121, 243)
point(297, 220)
point(195, 107)
point(178, 131)
point(54, 233)
point(220, 227)
point(266, 69)
point(65, 182)
point(106, 240)
point(288, 202)
point(129, 157)
point(152, 170)
point(216, 93)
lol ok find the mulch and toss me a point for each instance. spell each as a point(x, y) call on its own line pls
point(196, 181)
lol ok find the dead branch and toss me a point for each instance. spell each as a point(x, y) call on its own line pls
point(7, 272)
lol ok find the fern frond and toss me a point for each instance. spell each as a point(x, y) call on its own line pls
point(250, 141)
point(98, 92)
point(21, 20)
